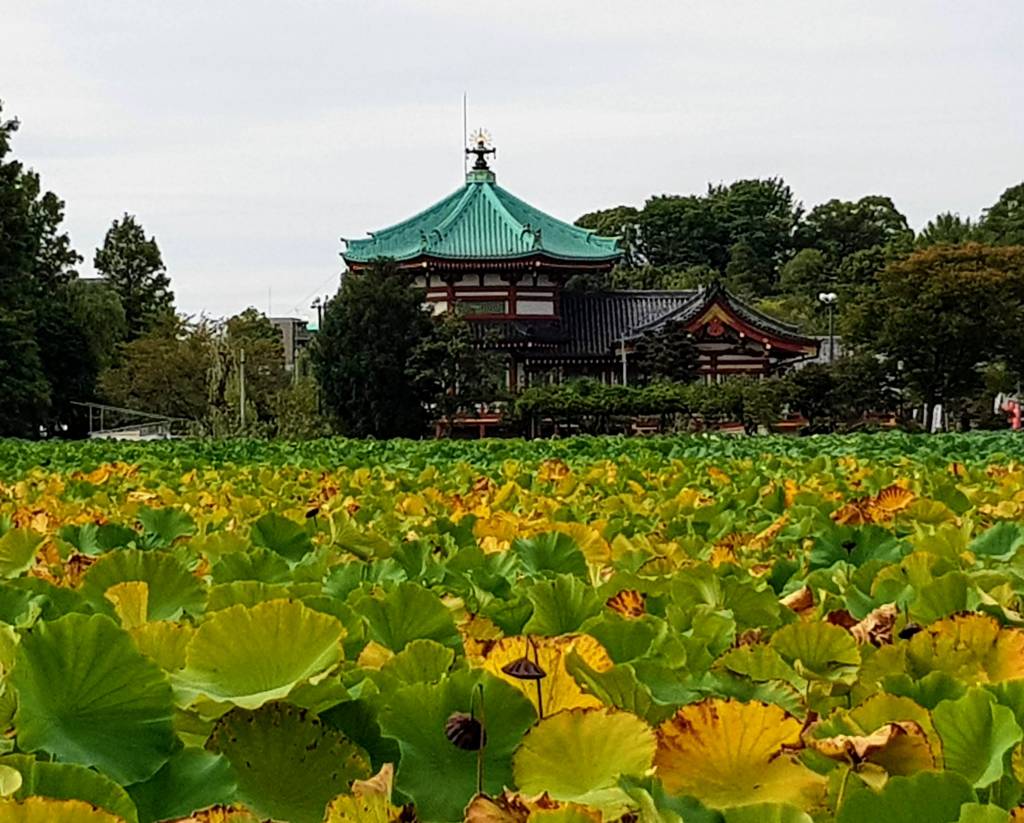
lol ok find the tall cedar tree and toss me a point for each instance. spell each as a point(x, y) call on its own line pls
point(55, 334)
point(134, 269)
point(361, 357)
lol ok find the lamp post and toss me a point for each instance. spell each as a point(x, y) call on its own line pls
point(829, 298)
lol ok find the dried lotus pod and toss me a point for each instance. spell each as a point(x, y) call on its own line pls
point(524, 669)
point(465, 732)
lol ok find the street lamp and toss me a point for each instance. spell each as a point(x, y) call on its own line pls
point(829, 298)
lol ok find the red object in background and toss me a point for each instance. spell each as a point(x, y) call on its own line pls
point(1012, 408)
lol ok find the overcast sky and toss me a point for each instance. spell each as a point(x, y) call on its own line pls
point(249, 136)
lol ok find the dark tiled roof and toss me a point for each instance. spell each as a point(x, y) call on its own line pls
point(592, 322)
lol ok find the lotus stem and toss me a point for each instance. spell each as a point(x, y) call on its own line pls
point(540, 697)
point(478, 692)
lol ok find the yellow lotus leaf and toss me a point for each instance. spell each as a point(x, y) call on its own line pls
point(478, 635)
point(899, 748)
point(374, 655)
point(501, 527)
point(727, 753)
point(48, 810)
point(764, 538)
point(558, 689)
point(628, 602)
point(567, 813)
point(351, 808)
point(163, 641)
point(595, 548)
point(131, 602)
point(972, 647)
point(220, 814)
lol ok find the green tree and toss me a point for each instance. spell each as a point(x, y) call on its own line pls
point(134, 269)
point(250, 332)
point(451, 370)
point(165, 371)
point(1002, 223)
point(679, 232)
point(667, 354)
point(840, 228)
point(946, 228)
point(807, 273)
point(42, 336)
point(940, 315)
point(361, 355)
point(621, 222)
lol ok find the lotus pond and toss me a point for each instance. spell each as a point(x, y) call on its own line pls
point(688, 630)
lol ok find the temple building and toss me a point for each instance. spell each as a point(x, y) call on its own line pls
point(504, 264)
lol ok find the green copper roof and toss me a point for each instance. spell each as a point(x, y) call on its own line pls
point(483, 221)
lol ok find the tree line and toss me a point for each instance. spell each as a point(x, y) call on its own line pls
point(932, 317)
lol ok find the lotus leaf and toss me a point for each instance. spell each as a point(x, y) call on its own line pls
point(818, 650)
point(192, 779)
point(550, 554)
point(251, 656)
point(161, 527)
point(171, 590)
point(727, 753)
point(767, 813)
point(87, 695)
point(416, 715)
point(979, 813)
point(976, 734)
point(288, 763)
point(47, 810)
point(279, 534)
point(408, 612)
point(972, 648)
point(558, 689)
point(18, 551)
point(931, 796)
point(580, 754)
point(67, 781)
point(560, 605)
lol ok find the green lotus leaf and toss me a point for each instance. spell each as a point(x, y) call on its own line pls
point(655, 804)
point(52, 601)
point(560, 606)
point(421, 661)
point(976, 733)
point(944, 596)
point(855, 545)
point(256, 564)
point(358, 721)
point(250, 656)
point(818, 650)
point(928, 691)
point(627, 639)
point(767, 813)
point(579, 755)
point(416, 715)
point(279, 534)
point(751, 603)
point(408, 612)
point(67, 781)
point(981, 813)
point(191, 780)
point(164, 642)
point(289, 764)
point(243, 593)
point(760, 662)
point(161, 527)
point(618, 687)
point(93, 539)
point(172, 589)
point(935, 797)
point(47, 810)
point(550, 554)
point(1000, 542)
point(88, 696)
point(18, 551)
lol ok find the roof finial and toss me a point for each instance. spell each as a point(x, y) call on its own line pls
point(481, 148)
